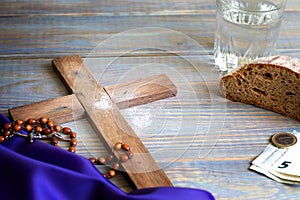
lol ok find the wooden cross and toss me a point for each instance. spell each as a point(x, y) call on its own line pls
point(101, 107)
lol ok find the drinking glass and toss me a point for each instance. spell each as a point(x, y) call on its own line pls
point(246, 30)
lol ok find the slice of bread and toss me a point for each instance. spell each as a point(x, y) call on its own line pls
point(272, 83)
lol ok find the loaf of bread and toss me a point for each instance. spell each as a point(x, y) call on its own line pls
point(272, 83)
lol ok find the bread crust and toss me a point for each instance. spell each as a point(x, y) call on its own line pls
point(271, 83)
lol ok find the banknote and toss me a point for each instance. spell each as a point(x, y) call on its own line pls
point(280, 163)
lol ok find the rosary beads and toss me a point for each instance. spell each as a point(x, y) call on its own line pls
point(45, 129)
point(114, 162)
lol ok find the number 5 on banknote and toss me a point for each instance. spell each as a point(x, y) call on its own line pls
point(285, 164)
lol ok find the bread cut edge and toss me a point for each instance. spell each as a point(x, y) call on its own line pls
point(262, 89)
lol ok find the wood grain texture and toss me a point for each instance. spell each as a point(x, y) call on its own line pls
point(105, 8)
point(109, 123)
point(61, 110)
point(82, 29)
point(141, 91)
point(114, 7)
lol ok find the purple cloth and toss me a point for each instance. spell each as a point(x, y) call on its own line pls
point(40, 171)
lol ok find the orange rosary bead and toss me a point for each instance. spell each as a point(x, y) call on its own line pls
point(73, 142)
point(57, 128)
point(19, 122)
point(7, 126)
point(46, 131)
point(43, 120)
point(6, 133)
point(28, 128)
point(73, 135)
point(50, 123)
point(118, 145)
point(116, 166)
point(101, 160)
point(112, 173)
point(109, 158)
point(124, 158)
point(66, 130)
point(31, 121)
point(126, 147)
point(17, 127)
point(72, 149)
point(38, 129)
point(54, 141)
point(92, 160)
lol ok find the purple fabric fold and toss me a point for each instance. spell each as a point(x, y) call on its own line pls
point(40, 171)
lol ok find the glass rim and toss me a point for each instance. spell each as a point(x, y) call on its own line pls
point(277, 7)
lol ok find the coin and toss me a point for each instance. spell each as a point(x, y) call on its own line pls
point(283, 139)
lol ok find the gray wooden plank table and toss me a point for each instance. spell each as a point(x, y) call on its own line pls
point(200, 139)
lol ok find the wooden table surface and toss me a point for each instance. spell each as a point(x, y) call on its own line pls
point(199, 139)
